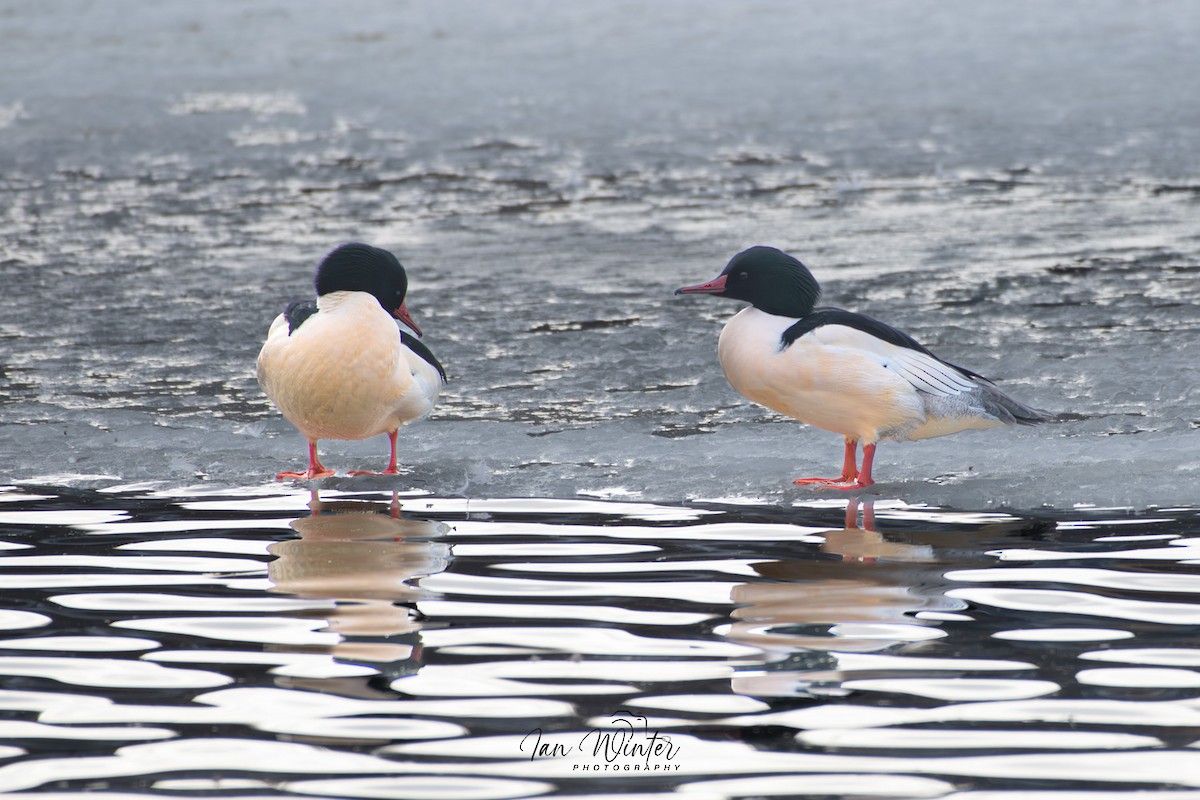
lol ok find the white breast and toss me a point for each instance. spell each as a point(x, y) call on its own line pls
point(344, 373)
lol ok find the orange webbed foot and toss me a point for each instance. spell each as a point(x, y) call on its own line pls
point(852, 478)
point(388, 471)
point(824, 481)
point(315, 468)
point(848, 487)
point(308, 475)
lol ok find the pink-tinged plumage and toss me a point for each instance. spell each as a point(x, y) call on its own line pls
point(345, 371)
point(840, 379)
point(840, 371)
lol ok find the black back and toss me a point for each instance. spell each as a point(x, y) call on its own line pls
point(418, 347)
point(868, 325)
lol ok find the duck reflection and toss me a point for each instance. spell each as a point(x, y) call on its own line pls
point(863, 589)
point(864, 593)
point(864, 543)
point(365, 556)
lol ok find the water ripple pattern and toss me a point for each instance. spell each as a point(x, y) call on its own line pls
point(347, 646)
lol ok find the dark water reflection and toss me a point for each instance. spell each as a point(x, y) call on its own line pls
point(371, 646)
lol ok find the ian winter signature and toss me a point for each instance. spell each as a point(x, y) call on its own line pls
point(629, 745)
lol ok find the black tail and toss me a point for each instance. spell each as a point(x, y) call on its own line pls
point(1010, 411)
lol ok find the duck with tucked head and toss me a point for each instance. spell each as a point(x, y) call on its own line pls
point(841, 371)
point(340, 367)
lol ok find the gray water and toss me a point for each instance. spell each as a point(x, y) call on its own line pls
point(1015, 184)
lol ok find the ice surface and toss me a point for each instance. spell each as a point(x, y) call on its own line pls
point(550, 174)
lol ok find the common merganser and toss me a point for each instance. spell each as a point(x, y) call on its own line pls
point(340, 367)
point(841, 371)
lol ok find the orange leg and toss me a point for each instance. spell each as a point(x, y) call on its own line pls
point(849, 469)
point(315, 468)
point(390, 469)
point(851, 477)
point(868, 514)
point(850, 522)
point(864, 475)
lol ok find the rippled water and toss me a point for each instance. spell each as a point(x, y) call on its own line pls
point(346, 646)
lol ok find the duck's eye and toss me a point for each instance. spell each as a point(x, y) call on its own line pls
point(743, 276)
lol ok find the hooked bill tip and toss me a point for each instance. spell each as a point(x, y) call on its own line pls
point(715, 286)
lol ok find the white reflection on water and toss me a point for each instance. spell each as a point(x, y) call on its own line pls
point(72, 517)
point(529, 677)
point(1161, 656)
point(615, 614)
point(249, 706)
point(259, 629)
point(1063, 635)
point(248, 547)
point(1064, 602)
point(899, 786)
point(1177, 550)
point(363, 728)
point(709, 593)
point(702, 703)
point(1140, 677)
point(240, 755)
point(425, 787)
point(110, 672)
point(438, 644)
point(153, 601)
point(11, 620)
point(1100, 578)
point(17, 729)
point(971, 739)
point(291, 664)
point(586, 641)
point(1119, 713)
point(81, 644)
point(160, 563)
